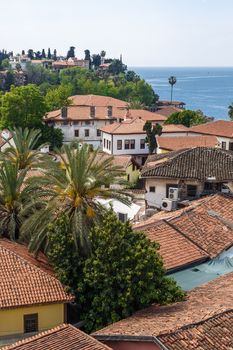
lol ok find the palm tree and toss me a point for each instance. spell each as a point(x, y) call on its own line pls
point(72, 187)
point(23, 148)
point(172, 82)
point(12, 200)
point(230, 111)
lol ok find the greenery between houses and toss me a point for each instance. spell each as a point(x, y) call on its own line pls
point(187, 118)
point(52, 205)
point(123, 273)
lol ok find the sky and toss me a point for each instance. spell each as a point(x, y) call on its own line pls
point(146, 33)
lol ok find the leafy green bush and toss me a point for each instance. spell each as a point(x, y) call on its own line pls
point(124, 273)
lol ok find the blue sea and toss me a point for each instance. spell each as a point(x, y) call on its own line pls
point(208, 89)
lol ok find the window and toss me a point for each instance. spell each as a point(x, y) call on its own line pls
point(127, 144)
point(92, 111)
point(76, 133)
point(119, 144)
point(87, 133)
point(98, 132)
point(152, 189)
point(87, 122)
point(109, 111)
point(65, 122)
point(230, 146)
point(30, 323)
point(191, 190)
point(109, 145)
point(75, 122)
point(122, 217)
point(104, 143)
point(142, 143)
point(224, 145)
point(132, 144)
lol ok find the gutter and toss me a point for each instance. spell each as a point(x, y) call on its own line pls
point(130, 338)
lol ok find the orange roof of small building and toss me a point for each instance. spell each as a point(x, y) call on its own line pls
point(63, 337)
point(174, 128)
point(97, 101)
point(207, 224)
point(145, 115)
point(222, 128)
point(129, 126)
point(181, 142)
point(201, 303)
point(176, 250)
point(24, 284)
point(166, 111)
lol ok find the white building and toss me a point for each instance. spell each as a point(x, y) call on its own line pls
point(86, 115)
point(128, 136)
point(222, 129)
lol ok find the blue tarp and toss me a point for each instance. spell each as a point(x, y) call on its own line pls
point(200, 274)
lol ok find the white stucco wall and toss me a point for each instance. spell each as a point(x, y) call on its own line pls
point(115, 151)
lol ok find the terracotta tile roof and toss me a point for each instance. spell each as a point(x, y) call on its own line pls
point(176, 250)
point(213, 333)
point(97, 101)
point(63, 337)
point(24, 284)
point(83, 113)
point(166, 111)
point(207, 225)
point(146, 115)
point(129, 126)
point(40, 261)
point(222, 128)
point(201, 303)
point(120, 161)
point(174, 128)
point(200, 163)
point(181, 142)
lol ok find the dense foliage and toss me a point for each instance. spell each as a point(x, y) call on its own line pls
point(123, 274)
point(187, 118)
point(230, 111)
point(25, 107)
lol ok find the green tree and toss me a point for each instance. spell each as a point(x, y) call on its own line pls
point(22, 149)
point(30, 54)
point(54, 54)
point(52, 136)
point(187, 118)
point(151, 132)
point(123, 274)
point(72, 186)
point(117, 67)
point(230, 111)
point(9, 80)
point(43, 54)
point(172, 82)
point(71, 52)
point(22, 106)
point(96, 60)
point(49, 54)
point(58, 97)
point(12, 200)
point(6, 63)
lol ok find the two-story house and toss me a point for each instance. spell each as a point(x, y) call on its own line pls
point(86, 115)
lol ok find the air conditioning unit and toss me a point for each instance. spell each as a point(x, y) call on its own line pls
point(168, 204)
point(173, 193)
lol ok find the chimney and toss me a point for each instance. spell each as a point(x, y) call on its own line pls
point(64, 112)
point(109, 108)
point(92, 111)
